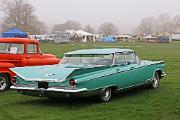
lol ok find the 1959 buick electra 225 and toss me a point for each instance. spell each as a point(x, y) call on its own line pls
point(92, 71)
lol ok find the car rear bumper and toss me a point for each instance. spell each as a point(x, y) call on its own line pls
point(51, 89)
point(163, 74)
point(55, 92)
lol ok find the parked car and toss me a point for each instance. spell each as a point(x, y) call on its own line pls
point(92, 71)
point(19, 52)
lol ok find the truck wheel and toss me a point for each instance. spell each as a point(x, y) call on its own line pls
point(105, 95)
point(4, 83)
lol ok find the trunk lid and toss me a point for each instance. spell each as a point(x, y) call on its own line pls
point(49, 73)
point(59, 72)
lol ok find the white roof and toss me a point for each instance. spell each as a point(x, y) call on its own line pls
point(175, 36)
point(70, 31)
point(125, 35)
point(81, 32)
point(150, 36)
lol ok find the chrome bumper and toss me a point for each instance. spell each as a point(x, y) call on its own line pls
point(163, 74)
point(70, 90)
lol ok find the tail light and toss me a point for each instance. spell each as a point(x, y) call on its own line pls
point(13, 80)
point(72, 82)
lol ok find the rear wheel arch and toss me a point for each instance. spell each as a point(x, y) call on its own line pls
point(113, 89)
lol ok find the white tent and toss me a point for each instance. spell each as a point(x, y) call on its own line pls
point(85, 36)
point(70, 31)
point(81, 32)
point(124, 37)
point(175, 36)
point(150, 37)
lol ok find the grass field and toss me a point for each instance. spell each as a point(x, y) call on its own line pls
point(137, 104)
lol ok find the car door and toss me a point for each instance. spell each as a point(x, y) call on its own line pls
point(121, 70)
point(34, 58)
point(129, 70)
point(136, 73)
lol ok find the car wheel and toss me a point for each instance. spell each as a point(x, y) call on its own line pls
point(4, 83)
point(105, 94)
point(156, 81)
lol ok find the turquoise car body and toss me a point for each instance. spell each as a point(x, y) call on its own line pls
point(54, 80)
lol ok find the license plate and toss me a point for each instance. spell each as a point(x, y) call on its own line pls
point(43, 85)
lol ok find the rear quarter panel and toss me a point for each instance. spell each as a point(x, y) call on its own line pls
point(98, 79)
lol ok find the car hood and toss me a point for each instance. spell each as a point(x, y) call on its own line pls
point(51, 73)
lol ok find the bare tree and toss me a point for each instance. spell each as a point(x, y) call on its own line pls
point(108, 28)
point(89, 29)
point(176, 21)
point(164, 23)
point(57, 27)
point(146, 25)
point(69, 25)
point(38, 27)
point(19, 14)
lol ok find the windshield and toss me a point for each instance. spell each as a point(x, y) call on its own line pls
point(88, 59)
point(11, 48)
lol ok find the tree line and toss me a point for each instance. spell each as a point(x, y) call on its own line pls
point(20, 14)
point(162, 23)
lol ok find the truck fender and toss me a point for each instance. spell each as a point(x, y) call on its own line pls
point(6, 65)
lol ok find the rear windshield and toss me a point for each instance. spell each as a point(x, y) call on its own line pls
point(88, 59)
point(11, 48)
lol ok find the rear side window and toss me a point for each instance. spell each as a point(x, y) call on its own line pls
point(130, 57)
point(32, 48)
point(119, 59)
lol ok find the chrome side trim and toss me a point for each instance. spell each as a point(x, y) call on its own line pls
point(49, 89)
point(148, 80)
point(121, 72)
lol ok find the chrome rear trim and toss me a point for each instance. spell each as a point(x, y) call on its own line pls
point(70, 90)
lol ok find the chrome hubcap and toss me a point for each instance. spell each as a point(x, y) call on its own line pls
point(155, 82)
point(106, 94)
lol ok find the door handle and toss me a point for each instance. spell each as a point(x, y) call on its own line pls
point(27, 56)
point(117, 70)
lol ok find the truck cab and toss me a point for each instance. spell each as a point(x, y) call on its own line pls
point(20, 52)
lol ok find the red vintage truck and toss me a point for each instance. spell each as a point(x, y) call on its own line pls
point(19, 52)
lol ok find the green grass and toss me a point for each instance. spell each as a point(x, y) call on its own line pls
point(137, 104)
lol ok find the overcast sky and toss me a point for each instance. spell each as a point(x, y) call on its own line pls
point(126, 14)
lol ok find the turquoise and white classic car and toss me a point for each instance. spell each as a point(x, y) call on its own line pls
point(97, 72)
